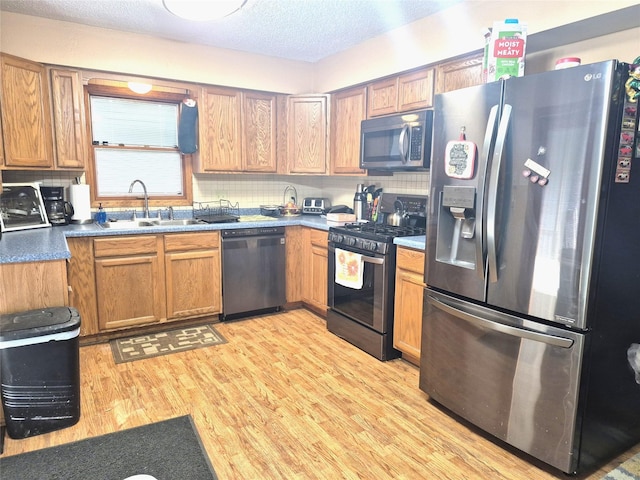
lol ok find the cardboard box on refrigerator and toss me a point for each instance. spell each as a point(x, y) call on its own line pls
point(505, 49)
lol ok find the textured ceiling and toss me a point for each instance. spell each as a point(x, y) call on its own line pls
point(305, 30)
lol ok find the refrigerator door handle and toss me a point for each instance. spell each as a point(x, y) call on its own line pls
point(500, 327)
point(492, 193)
point(403, 143)
point(486, 152)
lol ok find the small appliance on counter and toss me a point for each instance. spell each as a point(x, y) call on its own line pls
point(315, 206)
point(21, 207)
point(58, 211)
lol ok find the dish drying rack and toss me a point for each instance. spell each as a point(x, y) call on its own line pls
point(217, 211)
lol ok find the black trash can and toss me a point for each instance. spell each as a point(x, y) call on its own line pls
point(40, 370)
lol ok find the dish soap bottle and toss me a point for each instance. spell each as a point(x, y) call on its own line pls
point(101, 216)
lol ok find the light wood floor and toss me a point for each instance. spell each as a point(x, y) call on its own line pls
point(285, 399)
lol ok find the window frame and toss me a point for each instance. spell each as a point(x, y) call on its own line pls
point(155, 95)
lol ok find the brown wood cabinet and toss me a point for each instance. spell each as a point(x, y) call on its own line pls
point(69, 122)
point(295, 263)
point(1, 147)
point(32, 285)
point(410, 285)
point(220, 141)
point(192, 265)
point(348, 109)
point(136, 280)
point(259, 132)
point(26, 114)
point(460, 73)
point(237, 131)
point(129, 281)
point(307, 139)
point(409, 91)
point(315, 273)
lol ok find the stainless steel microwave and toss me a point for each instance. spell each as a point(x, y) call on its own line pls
point(397, 142)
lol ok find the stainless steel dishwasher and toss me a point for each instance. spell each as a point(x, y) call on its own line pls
point(253, 270)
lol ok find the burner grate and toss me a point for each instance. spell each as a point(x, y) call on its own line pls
point(378, 231)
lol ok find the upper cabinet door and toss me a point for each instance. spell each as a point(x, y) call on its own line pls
point(461, 73)
point(415, 90)
point(220, 130)
point(383, 97)
point(348, 109)
point(307, 134)
point(259, 132)
point(410, 91)
point(69, 121)
point(26, 114)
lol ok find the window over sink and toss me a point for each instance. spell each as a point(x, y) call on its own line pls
point(137, 138)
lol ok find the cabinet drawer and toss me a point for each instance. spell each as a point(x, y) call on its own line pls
point(129, 245)
point(409, 259)
point(191, 241)
point(319, 238)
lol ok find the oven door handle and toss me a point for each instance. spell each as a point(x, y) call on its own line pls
point(374, 260)
point(365, 258)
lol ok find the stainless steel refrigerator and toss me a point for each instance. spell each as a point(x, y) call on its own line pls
point(531, 325)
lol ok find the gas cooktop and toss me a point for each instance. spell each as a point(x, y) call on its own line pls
point(378, 231)
point(372, 237)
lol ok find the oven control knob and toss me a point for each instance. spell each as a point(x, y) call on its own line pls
point(350, 241)
point(373, 246)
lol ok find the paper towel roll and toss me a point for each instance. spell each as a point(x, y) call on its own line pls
point(80, 198)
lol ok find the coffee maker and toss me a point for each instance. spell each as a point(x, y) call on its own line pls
point(58, 211)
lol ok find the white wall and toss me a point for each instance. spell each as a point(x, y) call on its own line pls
point(71, 44)
point(451, 32)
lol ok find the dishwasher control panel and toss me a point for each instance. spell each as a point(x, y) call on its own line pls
point(252, 232)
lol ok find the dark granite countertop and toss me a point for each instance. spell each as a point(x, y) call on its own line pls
point(44, 244)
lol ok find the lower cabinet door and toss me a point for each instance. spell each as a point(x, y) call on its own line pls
point(130, 291)
point(193, 283)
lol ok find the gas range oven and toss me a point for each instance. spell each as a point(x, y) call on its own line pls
point(361, 282)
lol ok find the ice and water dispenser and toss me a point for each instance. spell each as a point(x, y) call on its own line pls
point(456, 243)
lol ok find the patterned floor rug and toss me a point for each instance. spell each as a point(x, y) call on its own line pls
point(163, 343)
point(629, 470)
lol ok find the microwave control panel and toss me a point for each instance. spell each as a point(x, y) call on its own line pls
point(416, 143)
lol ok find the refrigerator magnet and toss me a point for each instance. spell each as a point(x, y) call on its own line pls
point(460, 159)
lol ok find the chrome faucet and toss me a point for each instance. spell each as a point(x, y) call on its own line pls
point(146, 196)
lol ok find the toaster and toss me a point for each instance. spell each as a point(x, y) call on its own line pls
point(315, 206)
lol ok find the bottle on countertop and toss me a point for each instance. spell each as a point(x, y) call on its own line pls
point(360, 203)
point(101, 216)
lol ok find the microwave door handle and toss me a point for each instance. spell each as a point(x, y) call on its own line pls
point(403, 143)
point(492, 193)
point(487, 324)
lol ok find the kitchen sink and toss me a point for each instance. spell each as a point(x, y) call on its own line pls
point(182, 221)
point(125, 224)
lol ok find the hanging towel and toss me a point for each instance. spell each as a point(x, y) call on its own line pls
point(349, 269)
point(187, 142)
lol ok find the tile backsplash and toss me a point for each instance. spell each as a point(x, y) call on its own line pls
point(259, 189)
point(253, 190)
